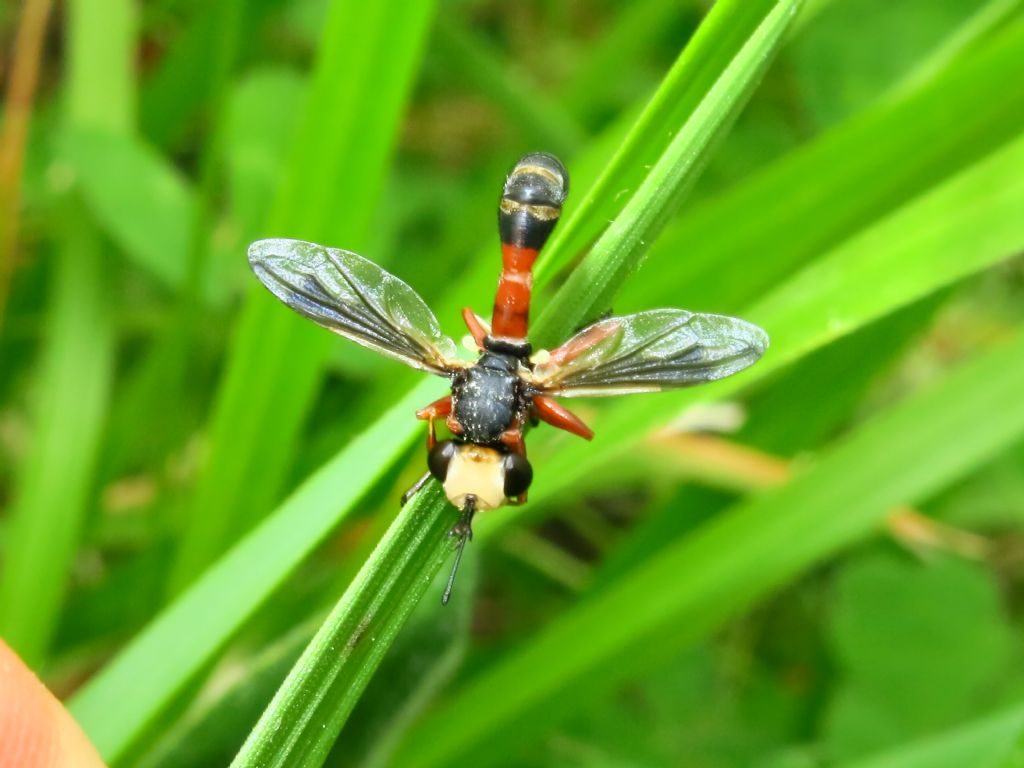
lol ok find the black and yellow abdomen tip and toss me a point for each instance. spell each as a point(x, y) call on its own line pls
point(531, 201)
point(537, 179)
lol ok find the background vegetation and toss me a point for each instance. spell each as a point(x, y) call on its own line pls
point(815, 564)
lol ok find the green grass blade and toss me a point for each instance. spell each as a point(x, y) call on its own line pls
point(961, 227)
point(827, 190)
point(990, 742)
point(185, 81)
point(419, 666)
point(117, 705)
point(101, 85)
point(368, 55)
point(725, 33)
point(304, 718)
point(628, 37)
point(55, 483)
point(212, 728)
point(139, 199)
point(981, 24)
point(903, 454)
point(620, 249)
point(259, 123)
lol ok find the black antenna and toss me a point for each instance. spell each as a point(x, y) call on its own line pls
point(463, 529)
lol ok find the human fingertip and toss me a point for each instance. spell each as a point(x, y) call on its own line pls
point(36, 731)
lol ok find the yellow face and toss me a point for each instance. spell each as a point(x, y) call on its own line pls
point(476, 471)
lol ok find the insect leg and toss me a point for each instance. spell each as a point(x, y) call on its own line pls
point(554, 413)
point(415, 488)
point(453, 425)
point(437, 409)
point(463, 529)
point(513, 439)
point(476, 329)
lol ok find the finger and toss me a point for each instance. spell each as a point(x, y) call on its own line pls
point(35, 729)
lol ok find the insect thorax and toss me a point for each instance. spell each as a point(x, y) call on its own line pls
point(487, 398)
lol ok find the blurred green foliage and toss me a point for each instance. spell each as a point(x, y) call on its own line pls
point(190, 476)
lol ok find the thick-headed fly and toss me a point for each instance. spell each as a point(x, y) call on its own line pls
point(483, 465)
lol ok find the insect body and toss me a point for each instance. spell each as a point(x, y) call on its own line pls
point(483, 465)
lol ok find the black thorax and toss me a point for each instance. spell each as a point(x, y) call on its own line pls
point(488, 398)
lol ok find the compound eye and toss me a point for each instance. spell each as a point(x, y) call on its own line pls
point(440, 457)
point(518, 474)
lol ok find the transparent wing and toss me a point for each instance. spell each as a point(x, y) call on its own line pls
point(356, 299)
point(648, 352)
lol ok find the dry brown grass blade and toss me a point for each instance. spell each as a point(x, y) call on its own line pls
point(21, 89)
point(741, 467)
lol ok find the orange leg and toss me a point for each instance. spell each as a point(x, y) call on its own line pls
point(513, 438)
point(475, 329)
point(453, 425)
point(437, 409)
point(554, 413)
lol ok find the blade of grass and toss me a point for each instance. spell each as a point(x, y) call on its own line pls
point(210, 732)
point(903, 454)
point(424, 657)
point(157, 407)
point(368, 55)
point(181, 86)
point(304, 718)
point(620, 249)
point(55, 482)
point(256, 157)
point(418, 667)
point(116, 705)
point(117, 173)
point(629, 37)
point(726, 35)
point(982, 23)
point(18, 100)
point(824, 192)
point(989, 742)
point(101, 81)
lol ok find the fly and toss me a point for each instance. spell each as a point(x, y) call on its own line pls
point(483, 465)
